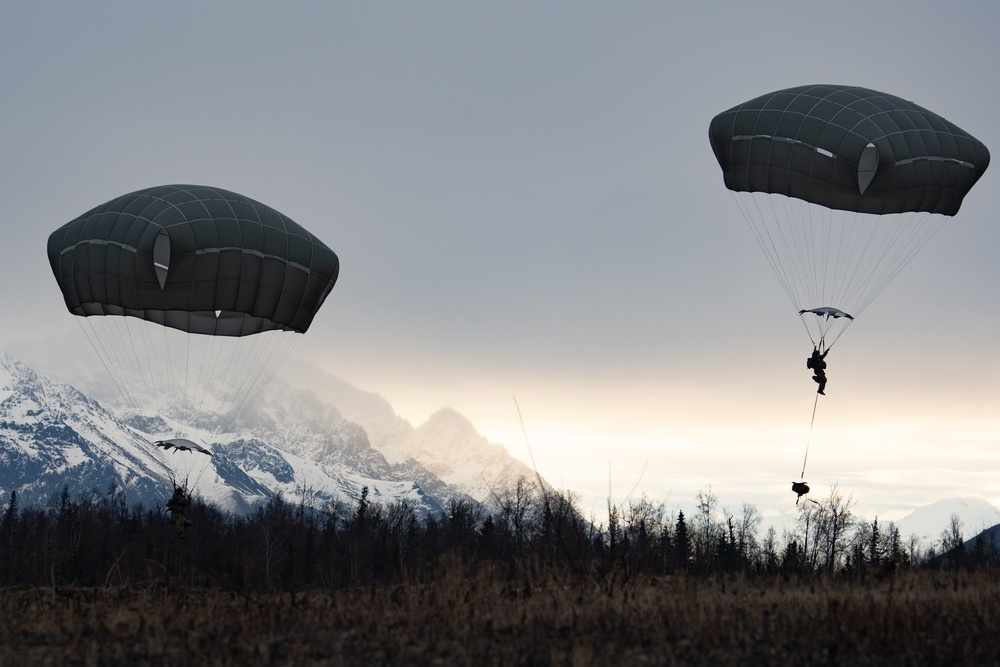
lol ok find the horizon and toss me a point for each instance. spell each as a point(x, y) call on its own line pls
point(631, 490)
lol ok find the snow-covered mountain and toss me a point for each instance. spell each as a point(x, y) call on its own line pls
point(447, 444)
point(52, 435)
point(929, 521)
point(370, 411)
point(297, 421)
point(309, 413)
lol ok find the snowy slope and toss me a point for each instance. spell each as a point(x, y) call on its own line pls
point(447, 444)
point(371, 411)
point(52, 435)
point(308, 413)
point(929, 521)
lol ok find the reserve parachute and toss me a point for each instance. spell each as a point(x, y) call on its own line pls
point(841, 187)
point(191, 296)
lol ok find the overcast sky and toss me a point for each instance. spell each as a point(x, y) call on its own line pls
point(525, 203)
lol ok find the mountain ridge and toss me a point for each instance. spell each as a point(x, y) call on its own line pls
point(331, 457)
point(446, 443)
point(53, 436)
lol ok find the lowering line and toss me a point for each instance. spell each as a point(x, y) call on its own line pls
point(809, 439)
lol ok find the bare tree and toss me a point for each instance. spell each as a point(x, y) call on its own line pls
point(746, 534)
point(706, 528)
point(951, 537)
point(913, 550)
point(835, 517)
point(514, 509)
point(953, 542)
point(808, 523)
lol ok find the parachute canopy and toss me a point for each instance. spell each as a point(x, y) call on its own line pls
point(191, 296)
point(199, 259)
point(847, 148)
point(182, 445)
point(841, 187)
point(827, 312)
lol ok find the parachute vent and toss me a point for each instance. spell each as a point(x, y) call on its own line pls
point(161, 257)
point(867, 166)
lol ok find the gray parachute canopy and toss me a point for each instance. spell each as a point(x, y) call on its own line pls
point(194, 258)
point(826, 311)
point(847, 148)
point(182, 445)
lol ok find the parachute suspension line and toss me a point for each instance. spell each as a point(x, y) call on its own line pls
point(209, 390)
point(837, 337)
point(204, 374)
point(147, 380)
point(230, 387)
point(102, 355)
point(187, 366)
point(283, 345)
point(825, 257)
point(224, 392)
point(168, 366)
point(871, 246)
point(241, 359)
point(803, 227)
point(808, 332)
point(879, 251)
point(155, 365)
point(842, 256)
point(836, 252)
point(201, 356)
point(918, 235)
point(808, 217)
point(275, 359)
point(814, 281)
point(202, 463)
point(884, 265)
point(796, 243)
point(812, 421)
point(764, 240)
point(117, 360)
point(121, 348)
point(128, 365)
point(132, 369)
point(867, 260)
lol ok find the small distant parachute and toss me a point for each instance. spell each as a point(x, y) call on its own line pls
point(841, 187)
point(182, 445)
point(192, 296)
point(826, 311)
point(188, 466)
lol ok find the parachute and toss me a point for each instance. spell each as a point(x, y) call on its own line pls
point(182, 445)
point(191, 296)
point(841, 187)
point(186, 467)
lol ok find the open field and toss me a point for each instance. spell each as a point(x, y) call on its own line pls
point(917, 618)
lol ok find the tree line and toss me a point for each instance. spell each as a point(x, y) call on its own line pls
point(99, 539)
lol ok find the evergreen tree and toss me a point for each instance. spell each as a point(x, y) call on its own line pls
point(682, 543)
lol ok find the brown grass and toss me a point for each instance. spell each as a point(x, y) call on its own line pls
point(909, 619)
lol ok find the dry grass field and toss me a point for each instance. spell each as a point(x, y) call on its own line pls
point(914, 619)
